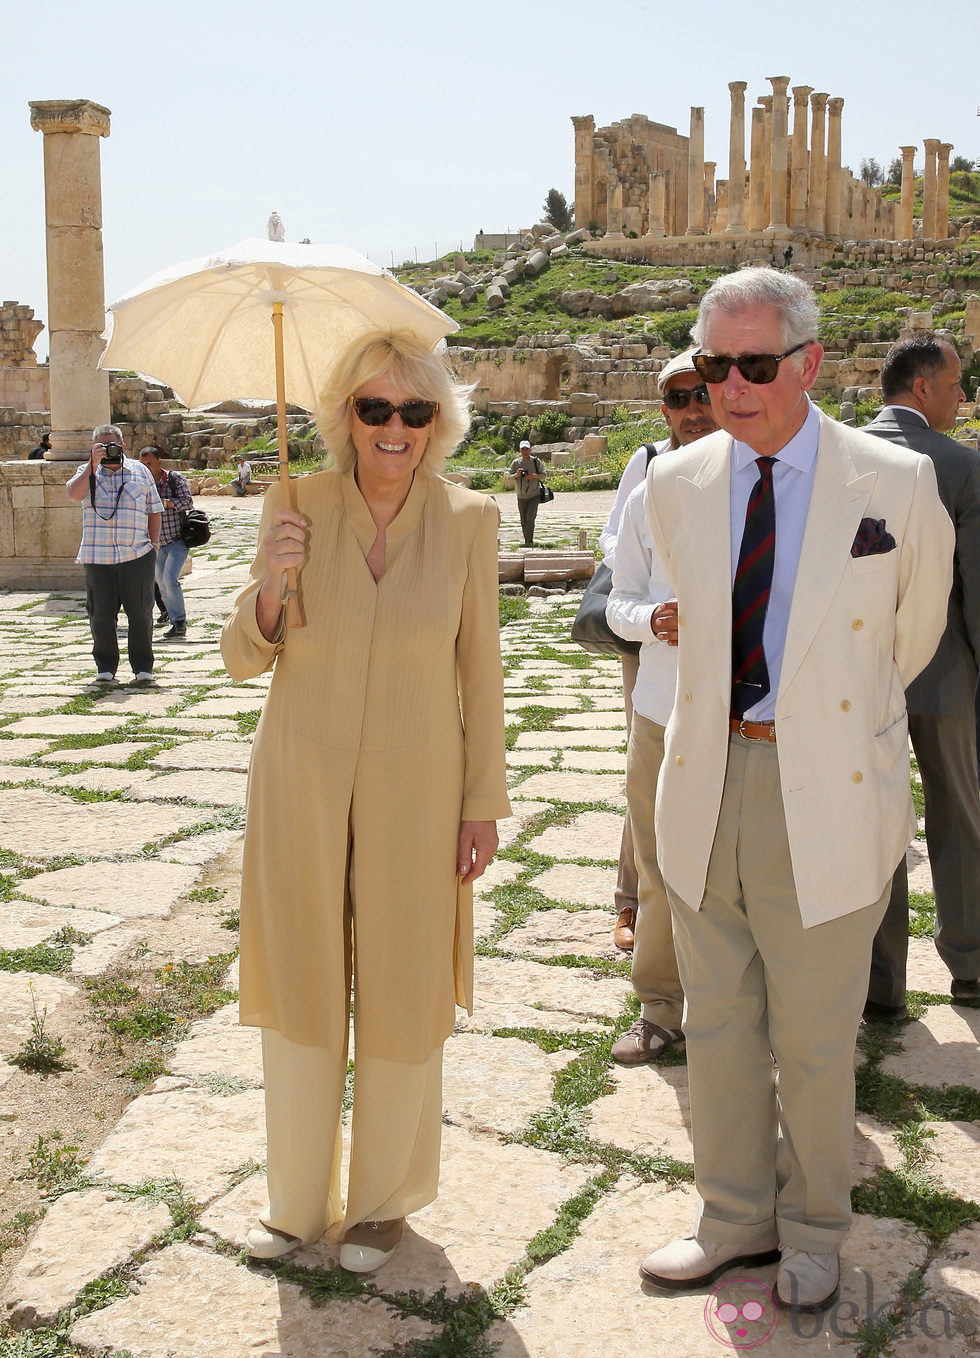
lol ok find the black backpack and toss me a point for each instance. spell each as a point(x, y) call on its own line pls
point(195, 531)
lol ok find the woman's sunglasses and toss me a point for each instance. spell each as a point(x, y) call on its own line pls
point(682, 397)
point(759, 369)
point(375, 411)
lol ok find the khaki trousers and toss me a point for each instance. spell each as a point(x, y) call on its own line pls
point(625, 895)
point(654, 972)
point(759, 986)
point(395, 1137)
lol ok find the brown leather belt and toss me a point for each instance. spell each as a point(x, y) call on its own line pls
point(754, 730)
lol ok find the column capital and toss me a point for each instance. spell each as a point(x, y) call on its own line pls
point(69, 115)
point(819, 101)
point(779, 83)
point(801, 95)
point(835, 106)
point(908, 150)
point(932, 145)
point(584, 122)
point(765, 102)
point(944, 149)
point(738, 87)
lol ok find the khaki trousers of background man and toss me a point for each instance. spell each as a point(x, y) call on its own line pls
point(758, 986)
point(654, 971)
point(625, 893)
point(395, 1137)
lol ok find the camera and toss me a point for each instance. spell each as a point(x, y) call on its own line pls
point(113, 454)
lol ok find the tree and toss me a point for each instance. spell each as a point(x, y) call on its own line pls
point(895, 171)
point(556, 211)
point(871, 172)
point(961, 163)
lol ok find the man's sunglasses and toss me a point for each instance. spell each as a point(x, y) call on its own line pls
point(683, 396)
point(759, 369)
point(375, 411)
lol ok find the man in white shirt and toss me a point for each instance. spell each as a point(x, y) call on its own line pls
point(687, 410)
point(239, 483)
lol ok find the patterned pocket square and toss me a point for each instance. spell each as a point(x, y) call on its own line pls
point(872, 539)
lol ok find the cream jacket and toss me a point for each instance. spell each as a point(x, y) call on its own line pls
point(860, 630)
point(383, 728)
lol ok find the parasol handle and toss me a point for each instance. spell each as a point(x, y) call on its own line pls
point(289, 593)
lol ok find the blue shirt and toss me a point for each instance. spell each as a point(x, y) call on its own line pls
point(792, 479)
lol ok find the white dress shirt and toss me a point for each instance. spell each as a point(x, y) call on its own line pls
point(634, 474)
point(640, 583)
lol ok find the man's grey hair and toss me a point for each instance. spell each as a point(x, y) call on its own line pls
point(112, 429)
point(762, 286)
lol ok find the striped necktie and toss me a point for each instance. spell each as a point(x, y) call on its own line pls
point(750, 593)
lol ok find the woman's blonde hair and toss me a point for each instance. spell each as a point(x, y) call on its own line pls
point(402, 357)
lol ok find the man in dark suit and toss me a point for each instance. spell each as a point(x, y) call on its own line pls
point(920, 384)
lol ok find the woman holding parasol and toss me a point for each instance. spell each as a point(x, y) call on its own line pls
point(376, 779)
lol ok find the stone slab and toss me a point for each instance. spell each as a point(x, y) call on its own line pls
point(588, 721)
point(593, 834)
point(192, 1134)
point(66, 724)
point(206, 754)
point(108, 949)
point(209, 787)
point(555, 933)
point(926, 970)
point(20, 748)
point(942, 1048)
point(946, 1319)
point(226, 707)
point(218, 1045)
point(956, 1157)
point(116, 753)
point(577, 885)
point(16, 991)
point(37, 824)
point(573, 787)
point(141, 890)
point(594, 761)
point(23, 923)
point(516, 994)
point(226, 1311)
point(201, 849)
point(919, 869)
point(101, 778)
point(595, 1281)
point(497, 1083)
point(510, 827)
point(81, 1236)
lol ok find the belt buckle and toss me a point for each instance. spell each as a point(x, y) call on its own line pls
point(741, 731)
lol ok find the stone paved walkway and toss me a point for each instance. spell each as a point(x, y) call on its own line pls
point(119, 811)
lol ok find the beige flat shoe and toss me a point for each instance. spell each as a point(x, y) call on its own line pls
point(370, 1244)
point(263, 1243)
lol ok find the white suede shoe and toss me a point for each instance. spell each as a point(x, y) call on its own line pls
point(263, 1243)
point(691, 1263)
point(370, 1244)
point(806, 1281)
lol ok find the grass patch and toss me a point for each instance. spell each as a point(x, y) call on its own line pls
point(47, 957)
point(248, 721)
point(41, 1053)
point(512, 608)
point(139, 1007)
point(207, 893)
point(893, 1194)
point(55, 1167)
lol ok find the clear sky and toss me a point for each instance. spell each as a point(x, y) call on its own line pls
point(395, 128)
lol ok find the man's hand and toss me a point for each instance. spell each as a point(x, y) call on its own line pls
point(477, 845)
point(663, 622)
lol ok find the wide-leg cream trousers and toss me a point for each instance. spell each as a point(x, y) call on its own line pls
point(395, 1137)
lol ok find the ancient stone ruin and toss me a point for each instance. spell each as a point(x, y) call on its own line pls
point(650, 193)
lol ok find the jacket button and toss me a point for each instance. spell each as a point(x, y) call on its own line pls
point(857, 624)
point(687, 697)
point(678, 759)
point(857, 777)
point(845, 705)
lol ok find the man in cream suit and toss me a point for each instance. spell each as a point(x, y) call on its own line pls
point(784, 804)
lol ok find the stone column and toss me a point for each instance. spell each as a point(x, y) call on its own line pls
point(709, 192)
point(765, 103)
point(695, 175)
point(614, 210)
point(757, 173)
point(942, 192)
point(721, 206)
point(778, 159)
point(800, 173)
point(930, 190)
point(834, 182)
point(817, 208)
point(658, 186)
point(906, 224)
point(584, 184)
point(736, 158)
point(76, 285)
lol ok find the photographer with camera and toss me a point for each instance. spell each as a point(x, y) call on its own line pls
point(172, 550)
point(121, 513)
